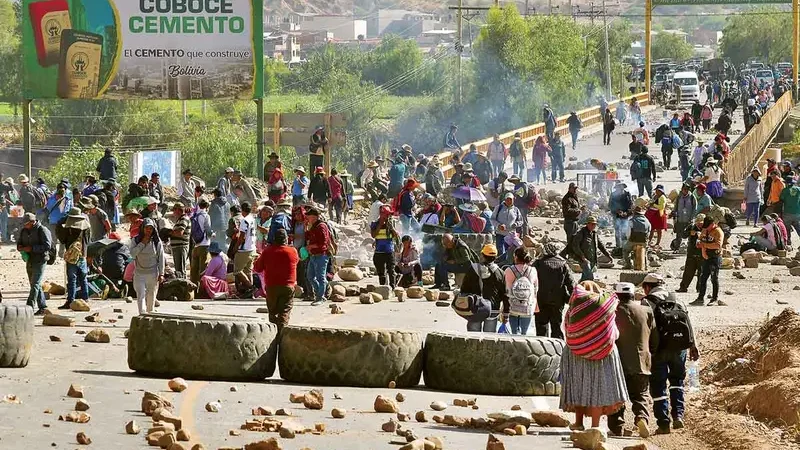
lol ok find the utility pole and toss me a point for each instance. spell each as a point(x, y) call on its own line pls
point(459, 43)
point(459, 49)
point(608, 53)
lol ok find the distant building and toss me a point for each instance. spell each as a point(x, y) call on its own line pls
point(402, 22)
point(704, 37)
point(282, 45)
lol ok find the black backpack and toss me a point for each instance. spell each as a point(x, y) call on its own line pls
point(672, 323)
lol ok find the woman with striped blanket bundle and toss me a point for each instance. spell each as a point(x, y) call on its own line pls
point(592, 380)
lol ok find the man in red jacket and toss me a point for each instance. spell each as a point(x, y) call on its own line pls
point(280, 278)
point(318, 238)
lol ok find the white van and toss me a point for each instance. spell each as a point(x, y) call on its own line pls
point(690, 85)
point(765, 77)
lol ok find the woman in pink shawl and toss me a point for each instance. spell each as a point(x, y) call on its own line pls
point(593, 381)
point(214, 282)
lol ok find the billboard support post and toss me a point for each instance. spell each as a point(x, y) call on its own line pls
point(26, 136)
point(260, 137)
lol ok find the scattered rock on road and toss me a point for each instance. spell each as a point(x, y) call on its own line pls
point(183, 435)
point(495, 443)
point(385, 405)
point(79, 306)
point(267, 444)
point(337, 413)
point(213, 406)
point(390, 426)
point(296, 397)
point(589, 439)
point(98, 336)
point(314, 399)
point(438, 406)
point(400, 397)
point(198, 307)
point(550, 419)
point(81, 405)
point(420, 416)
point(55, 320)
point(83, 439)
point(132, 427)
point(55, 339)
point(75, 391)
point(177, 384)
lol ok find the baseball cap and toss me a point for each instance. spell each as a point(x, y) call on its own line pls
point(29, 217)
point(489, 250)
point(653, 278)
point(625, 288)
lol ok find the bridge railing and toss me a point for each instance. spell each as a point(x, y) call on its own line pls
point(589, 116)
point(747, 152)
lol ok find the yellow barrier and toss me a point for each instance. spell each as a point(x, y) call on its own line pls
point(588, 116)
point(748, 150)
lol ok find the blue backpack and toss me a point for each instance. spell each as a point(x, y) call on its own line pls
point(198, 233)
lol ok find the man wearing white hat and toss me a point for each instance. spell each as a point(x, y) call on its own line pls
point(637, 339)
point(300, 186)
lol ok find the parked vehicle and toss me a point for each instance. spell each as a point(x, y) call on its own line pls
point(689, 84)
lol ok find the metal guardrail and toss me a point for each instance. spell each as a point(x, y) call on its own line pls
point(588, 116)
point(748, 150)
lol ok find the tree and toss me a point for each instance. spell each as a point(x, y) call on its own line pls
point(10, 70)
point(766, 34)
point(672, 46)
point(75, 162)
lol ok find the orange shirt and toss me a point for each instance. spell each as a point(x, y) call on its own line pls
point(775, 191)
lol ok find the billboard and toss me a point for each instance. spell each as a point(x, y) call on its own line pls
point(166, 163)
point(142, 49)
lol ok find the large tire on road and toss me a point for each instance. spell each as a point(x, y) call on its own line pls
point(16, 335)
point(350, 357)
point(207, 347)
point(493, 364)
point(635, 276)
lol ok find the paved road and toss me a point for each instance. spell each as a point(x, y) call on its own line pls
point(115, 392)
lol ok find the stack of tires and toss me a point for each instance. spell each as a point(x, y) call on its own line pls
point(16, 335)
point(232, 348)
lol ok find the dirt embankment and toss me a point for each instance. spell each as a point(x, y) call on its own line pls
point(751, 389)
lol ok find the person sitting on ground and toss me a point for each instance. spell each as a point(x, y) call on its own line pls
point(593, 380)
point(280, 279)
point(408, 263)
point(214, 280)
point(485, 279)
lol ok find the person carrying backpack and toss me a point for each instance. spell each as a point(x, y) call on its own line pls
point(675, 339)
point(643, 170)
point(667, 148)
point(521, 285)
point(36, 246)
point(485, 280)
point(201, 236)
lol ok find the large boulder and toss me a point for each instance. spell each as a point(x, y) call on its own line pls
point(350, 274)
